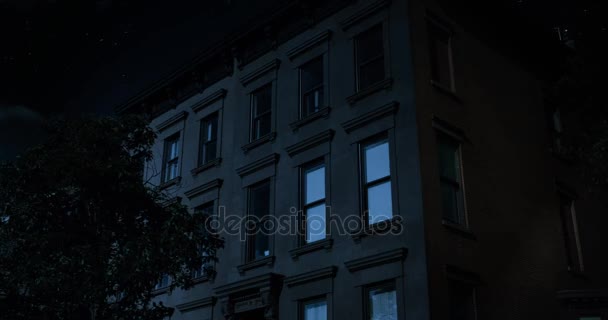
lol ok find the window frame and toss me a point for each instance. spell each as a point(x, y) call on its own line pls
point(303, 169)
point(385, 55)
point(433, 27)
point(167, 143)
point(212, 215)
point(367, 289)
point(251, 239)
point(365, 186)
point(572, 220)
point(323, 86)
point(463, 217)
point(302, 306)
point(203, 143)
point(254, 117)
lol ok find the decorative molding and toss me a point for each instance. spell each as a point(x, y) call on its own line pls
point(213, 163)
point(315, 275)
point(378, 113)
point(219, 94)
point(384, 84)
point(322, 113)
point(266, 261)
point(363, 13)
point(262, 281)
point(308, 44)
point(196, 304)
point(257, 73)
point(308, 143)
point(211, 185)
point(171, 121)
point(172, 182)
point(376, 259)
point(310, 247)
point(258, 164)
point(258, 142)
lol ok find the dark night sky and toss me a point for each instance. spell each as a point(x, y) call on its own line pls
point(65, 57)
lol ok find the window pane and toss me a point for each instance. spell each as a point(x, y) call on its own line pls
point(315, 223)
point(462, 301)
point(371, 73)
point(262, 126)
point(376, 161)
point(312, 101)
point(210, 151)
point(315, 184)
point(449, 202)
point(369, 44)
point(315, 310)
point(311, 75)
point(259, 207)
point(262, 100)
point(379, 203)
point(383, 303)
point(440, 56)
point(449, 159)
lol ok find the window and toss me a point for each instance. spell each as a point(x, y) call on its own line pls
point(369, 57)
point(381, 302)
point(314, 310)
point(450, 175)
point(258, 238)
point(571, 234)
point(206, 209)
point(313, 199)
point(261, 112)
point(163, 282)
point(171, 156)
point(311, 87)
point(208, 147)
point(462, 301)
point(441, 56)
point(377, 194)
point(590, 318)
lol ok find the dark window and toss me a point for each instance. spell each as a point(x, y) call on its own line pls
point(209, 145)
point(258, 237)
point(314, 310)
point(462, 301)
point(378, 204)
point(171, 158)
point(207, 209)
point(311, 86)
point(441, 56)
point(570, 231)
point(450, 174)
point(261, 112)
point(369, 53)
point(313, 199)
point(381, 302)
point(163, 282)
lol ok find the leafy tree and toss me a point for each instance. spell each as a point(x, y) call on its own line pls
point(82, 236)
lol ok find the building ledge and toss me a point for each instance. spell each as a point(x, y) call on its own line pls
point(258, 142)
point(310, 247)
point(395, 255)
point(446, 91)
point(266, 261)
point(315, 275)
point(386, 227)
point(322, 113)
point(204, 167)
point(380, 85)
point(459, 229)
point(172, 182)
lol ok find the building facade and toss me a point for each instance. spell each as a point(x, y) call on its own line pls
point(379, 168)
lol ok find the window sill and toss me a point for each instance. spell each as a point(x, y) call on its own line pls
point(384, 84)
point(322, 113)
point(445, 90)
point(158, 292)
point(310, 247)
point(391, 226)
point(258, 142)
point(266, 261)
point(172, 182)
point(459, 229)
point(213, 163)
point(200, 279)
